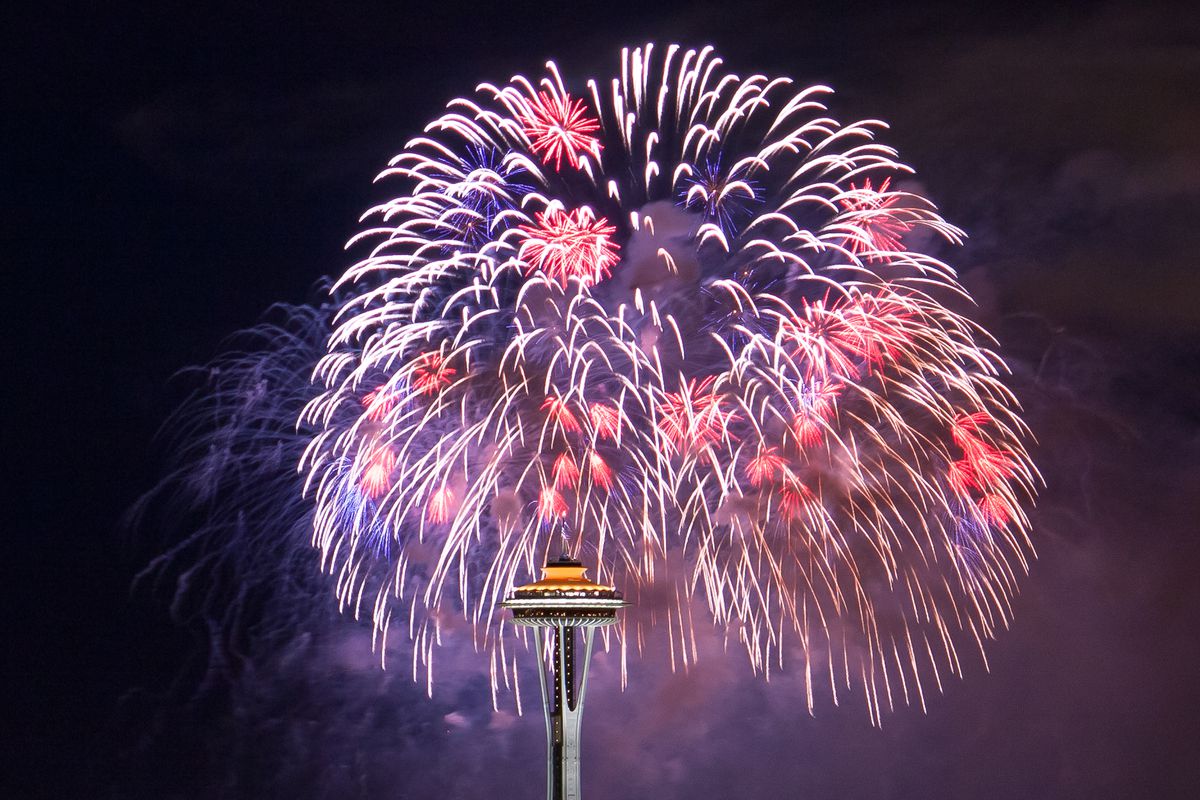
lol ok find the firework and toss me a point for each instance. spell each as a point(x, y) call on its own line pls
point(237, 560)
point(675, 322)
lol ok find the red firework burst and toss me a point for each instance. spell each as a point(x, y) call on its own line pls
point(377, 477)
point(881, 327)
point(566, 471)
point(823, 341)
point(570, 245)
point(995, 509)
point(764, 466)
point(438, 509)
point(695, 417)
point(606, 420)
point(551, 504)
point(559, 413)
point(559, 126)
point(872, 212)
point(600, 471)
point(431, 373)
point(378, 404)
point(961, 477)
point(793, 497)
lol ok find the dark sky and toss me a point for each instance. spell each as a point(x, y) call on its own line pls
point(171, 169)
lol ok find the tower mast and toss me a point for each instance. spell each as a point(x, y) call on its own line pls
point(561, 602)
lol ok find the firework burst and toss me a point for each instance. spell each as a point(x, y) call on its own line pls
point(666, 320)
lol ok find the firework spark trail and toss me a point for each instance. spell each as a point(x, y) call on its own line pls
point(675, 315)
point(230, 506)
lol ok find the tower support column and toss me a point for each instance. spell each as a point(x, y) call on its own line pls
point(562, 698)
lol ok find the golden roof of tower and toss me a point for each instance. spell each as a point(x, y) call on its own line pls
point(564, 575)
point(567, 575)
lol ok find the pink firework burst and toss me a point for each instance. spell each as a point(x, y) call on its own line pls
point(431, 373)
point(566, 471)
point(439, 507)
point(378, 404)
point(560, 414)
point(872, 210)
point(695, 417)
point(558, 126)
point(764, 466)
point(606, 420)
point(566, 245)
point(377, 477)
point(599, 470)
point(551, 504)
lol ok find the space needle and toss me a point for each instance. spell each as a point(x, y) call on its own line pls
point(562, 601)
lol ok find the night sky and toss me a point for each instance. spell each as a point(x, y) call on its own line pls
point(169, 170)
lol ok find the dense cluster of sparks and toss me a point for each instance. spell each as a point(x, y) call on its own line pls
point(564, 246)
point(670, 324)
